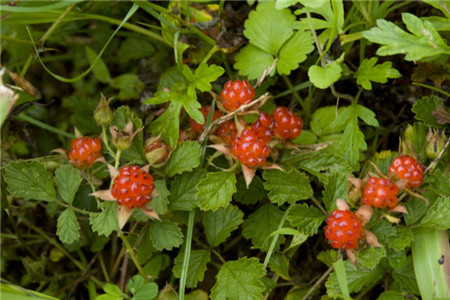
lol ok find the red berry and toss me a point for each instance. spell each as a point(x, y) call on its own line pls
point(380, 192)
point(227, 132)
point(263, 127)
point(198, 128)
point(343, 229)
point(84, 151)
point(250, 149)
point(133, 187)
point(288, 125)
point(236, 93)
point(407, 168)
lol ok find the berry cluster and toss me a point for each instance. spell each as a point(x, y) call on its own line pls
point(84, 151)
point(250, 148)
point(236, 93)
point(381, 193)
point(406, 167)
point(288, 125)
point(198, 128)
point(343, 229)
point(227, 131)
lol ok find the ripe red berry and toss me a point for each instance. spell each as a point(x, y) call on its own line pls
point(263, 127)
point(381, 193)
point(236, 93)
point(133, 187)
point(250, 149)
point(198, 128)
point(227, 132)
point(288, 125)
point(84, 151)
point(407, 168)
point(343, 229)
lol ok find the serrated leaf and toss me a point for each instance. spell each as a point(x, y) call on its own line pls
point(252, 61)
point(324, 77)
point(383, 230)
point(440, 182)
point(129, 86)
point(279, 264)
point(184, 189)
point(186, 157)
point(383, 161)
point(438, 214)
point(366, 115)
point(106, 221)
point(160, 202)
point(370, 257)
point(29, 180)
point(68, 229)
point(335, 188)
point(322, 121)
point(406, 279)
point(391, 295)
point(397, 259)
point(100, 69)
point(369, 71)
point(294, 51)
point(287, 186)
point(416, 210)
point(352, 142)
point(239, 280)
point(203, 76)
point(306, 218)
point(168, 124)
point(261, 224)
point(251, 195)
point(424, 108)
point(68, 180)
point(424, 42)
point(135, 48)
point(401, 239)
point(219, 224)
point(196, 266)
point(165, 235)
point(215, 190)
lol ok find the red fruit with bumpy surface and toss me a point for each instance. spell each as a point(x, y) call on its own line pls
point(236, 93)
point(288, 125)
point(250, 149)
point(227, 132)
point(198, 128)
point(381, 193)
point(133, 187)
point(343, 229)
point(407, 168)
point(263, 127)
point(84, 151)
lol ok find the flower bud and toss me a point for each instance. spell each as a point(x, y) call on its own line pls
point(156, 152)
point(123, 139)
point(435, 143)
point(406, 144)
point(103, 114)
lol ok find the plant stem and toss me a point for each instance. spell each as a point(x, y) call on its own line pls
point(306, 105)
point(106, 141)
point(118, 153)
point(132, 254)
point(26, 118)
point(56, 24)
point(187, 254)
point(103, 267)
point(274, 240)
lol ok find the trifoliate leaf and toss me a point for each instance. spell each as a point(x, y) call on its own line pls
point(168, 124)
point(165, 235)
point(368, 71)
point(184, 189)
point(401, 239)
point(67, 180)
point(424, 42)
point(261, 224)
point(424, 108)
point(129, 86)
point(203, 76)
point(29, 180)
point(68, 229)
point(100, 69)
point(239, 280)
point(370, 257)
point(196, 266)
point(251, 195)
point(215, 190)
point(159, 203)
point(287, 187)
point(252, 61)
point(106, 221)
point(279, 264)
point(186, 157)
point(438, 214)
point(306, 218)
point(294, 51)
point(324, 77)
point(135, 48)
point(219, 224)
point(322, 121)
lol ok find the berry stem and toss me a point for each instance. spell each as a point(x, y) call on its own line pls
point(116, 164)
point(132, 254)
point(106, 141)
point(275, 238)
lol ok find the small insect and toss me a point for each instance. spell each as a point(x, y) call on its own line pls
point(441, 260)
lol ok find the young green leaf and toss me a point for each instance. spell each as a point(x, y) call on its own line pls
point(129, 86)
point(106, 221)
point(306, 218)
point(438, 214)
point(196, 267)
point(186, 157)
point(68, 229)
point(339, 271)
point(29, 180)
point(368, 71)
point(216, 190)
point(159, 203)
point(370, 257)
point(203, 76)
point(165, 235)
point(184, 189)
point(219, 224)
point(287, 187)
point(324, 77)
point(240, 279)
point(68, 180)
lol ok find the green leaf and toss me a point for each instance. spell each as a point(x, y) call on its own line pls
point(294, 51)
point(366, 115)
point(196, 267)
point(279, 264)
point(239, 280)
point(268, 28)
point(401, 239)
point(186, 157)
point(438, 214)
point(219, 224)
point(391, 295)
point(145, 246)
point(368, 71)
point(406, 279)
point(135, 48)
point(147, 292)
point(440, 182)
point(100, 70)
point(130, 86)
point(135, 283)
point(165, 235)
point(416, 210)
point(328, 257)
point(424, 108)
point(397, 259)
point(322, 121)
point(384, 230)
point(156, 264)
point(261, 224)
point(424, 42)
point(203, 76)
point(251, 195)
point(287, 187)
point(159, 203)
point(370, 257)
point(215, 190)
point(306, 218)
point(252, 61)
point(184, 189)
point(168, 124)
point(339, 271)
point(324, 77)
point(29, 180)
point(68, 229)
point(68, 180)
point(352, 142)
point(335, 188)
point(106, 221)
